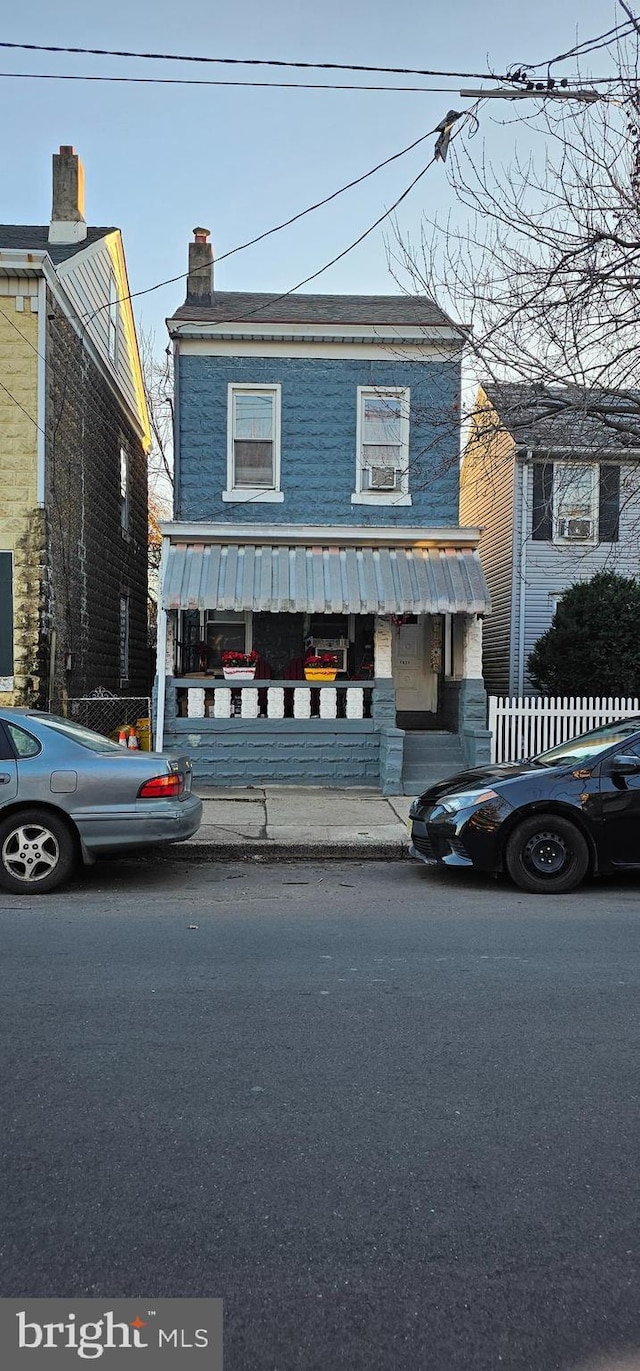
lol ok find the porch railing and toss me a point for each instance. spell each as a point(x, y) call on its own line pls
point(206, 698)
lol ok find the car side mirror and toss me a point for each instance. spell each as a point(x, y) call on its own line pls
point(624, 764)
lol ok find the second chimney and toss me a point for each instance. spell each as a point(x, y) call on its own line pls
point(67, 214)
point(200, 279)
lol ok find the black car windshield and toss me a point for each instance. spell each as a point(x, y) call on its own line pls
point(77, 734)
point(588, 746)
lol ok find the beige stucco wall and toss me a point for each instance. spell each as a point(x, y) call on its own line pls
point(21, 523)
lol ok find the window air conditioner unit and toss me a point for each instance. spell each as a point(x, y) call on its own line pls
point(338, 646)
point(576, 530)
point(381, 478)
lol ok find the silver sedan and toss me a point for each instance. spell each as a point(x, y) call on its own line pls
point(68, 795)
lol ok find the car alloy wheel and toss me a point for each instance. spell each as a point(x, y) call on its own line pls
point(37, 852)
point(547, 854)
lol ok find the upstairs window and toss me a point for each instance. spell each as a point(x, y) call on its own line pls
point(254, 441)
point(124, 489)
point(576, 502)
point(383, 443)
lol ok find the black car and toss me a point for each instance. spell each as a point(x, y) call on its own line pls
point(548, 822)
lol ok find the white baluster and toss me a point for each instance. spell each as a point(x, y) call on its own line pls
point(355, 702)
point(249, 703)
point(195, 703)
point(301, 703)
point(275, 702)
point(222, 703)
point(328, 703)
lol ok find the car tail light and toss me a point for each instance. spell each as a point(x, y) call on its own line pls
point(162, 787)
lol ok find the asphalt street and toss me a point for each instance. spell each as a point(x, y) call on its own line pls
point(390, 1116)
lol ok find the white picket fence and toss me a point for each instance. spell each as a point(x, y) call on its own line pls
point(524, 726)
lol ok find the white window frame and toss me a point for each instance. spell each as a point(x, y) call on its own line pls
point(124, 494)
point(555, 596)
point(361, 496)
point(559, 487)
point(112, 319)
point(244, 494)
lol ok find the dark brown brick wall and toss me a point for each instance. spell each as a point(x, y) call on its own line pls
point(91, 563)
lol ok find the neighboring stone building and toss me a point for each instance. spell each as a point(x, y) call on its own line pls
point(316, 509)
point(74, 434)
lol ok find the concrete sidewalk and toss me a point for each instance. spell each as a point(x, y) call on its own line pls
point(273, 821)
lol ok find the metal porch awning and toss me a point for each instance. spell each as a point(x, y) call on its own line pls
point(324, 580)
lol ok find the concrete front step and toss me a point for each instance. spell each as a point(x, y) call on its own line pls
point(414, 785)
point(429, 757)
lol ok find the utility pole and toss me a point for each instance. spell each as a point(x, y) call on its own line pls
point(538, 92)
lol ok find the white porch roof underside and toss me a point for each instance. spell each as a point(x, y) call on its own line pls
point(324, 579)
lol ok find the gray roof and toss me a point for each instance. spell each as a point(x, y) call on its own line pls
point(545, 418)
point(35, 238)
point(325, 580)
point(230, 306)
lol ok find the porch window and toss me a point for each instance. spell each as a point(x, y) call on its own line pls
point(253, 442)
point(382, 463)
point(225, 631)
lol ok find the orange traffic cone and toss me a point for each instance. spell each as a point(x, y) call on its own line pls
point(133, 738)
point(122, 737)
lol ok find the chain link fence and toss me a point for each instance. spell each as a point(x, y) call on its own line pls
point(109, 714)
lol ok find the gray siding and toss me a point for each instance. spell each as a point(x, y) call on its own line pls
point(550, 569)
point(487, 500)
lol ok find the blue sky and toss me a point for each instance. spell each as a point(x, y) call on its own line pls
point(159, 160)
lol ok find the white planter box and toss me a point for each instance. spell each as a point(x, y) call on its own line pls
point(239, 673)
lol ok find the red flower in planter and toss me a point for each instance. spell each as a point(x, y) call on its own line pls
point(325, 661)
point(232, 658)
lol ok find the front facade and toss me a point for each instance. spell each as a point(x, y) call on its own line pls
point(74, 435)
point(316, 499)
point(555, 488)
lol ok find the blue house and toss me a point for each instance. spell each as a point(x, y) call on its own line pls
point(316, 513)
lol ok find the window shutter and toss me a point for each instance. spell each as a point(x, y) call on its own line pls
point(6, 614)
point(609, 520)
point(542, 524)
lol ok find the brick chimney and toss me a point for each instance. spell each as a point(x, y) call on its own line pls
point(67, 214)
point(200, 279)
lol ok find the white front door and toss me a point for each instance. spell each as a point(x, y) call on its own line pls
point(415, 682)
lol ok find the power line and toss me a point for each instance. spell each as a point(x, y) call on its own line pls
point(240, 247)
point(269, 85)
point(469, 114)
point(251, 242)
point(274, 300)
point(588, 45)
point(22, 335)
point(24, 411)
point(251, 61)
point(187, 81)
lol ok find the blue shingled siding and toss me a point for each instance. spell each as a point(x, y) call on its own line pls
point(318, 439)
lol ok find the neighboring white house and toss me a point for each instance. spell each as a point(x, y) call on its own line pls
point(552, 477)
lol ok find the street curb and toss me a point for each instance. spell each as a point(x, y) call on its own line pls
point(266, 851)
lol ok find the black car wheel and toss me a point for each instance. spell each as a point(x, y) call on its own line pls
point(547, 854)
point(37, 852)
